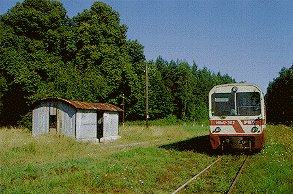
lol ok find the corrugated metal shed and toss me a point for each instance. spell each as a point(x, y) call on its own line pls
point(82, 120)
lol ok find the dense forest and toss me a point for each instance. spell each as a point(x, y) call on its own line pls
point(44, 53)
point(279, 98)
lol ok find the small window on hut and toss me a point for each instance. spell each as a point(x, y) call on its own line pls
point(53, 115)
point(53, 121)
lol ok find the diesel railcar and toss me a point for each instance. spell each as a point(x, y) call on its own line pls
point(237, 117)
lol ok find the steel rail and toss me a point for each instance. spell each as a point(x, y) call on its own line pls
point(239, 173)
point(196, 176)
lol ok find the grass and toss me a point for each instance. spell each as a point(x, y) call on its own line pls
point(271, 170)
point(154, 160)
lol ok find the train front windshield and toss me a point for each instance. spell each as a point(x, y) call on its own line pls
point(240, 104)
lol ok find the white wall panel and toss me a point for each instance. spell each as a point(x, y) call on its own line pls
point(110, 124)
point(40, 123)
point(86, 124)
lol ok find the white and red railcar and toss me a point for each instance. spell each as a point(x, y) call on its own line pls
point(237, 116)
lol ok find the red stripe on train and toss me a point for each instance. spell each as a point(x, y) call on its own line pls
point(238, 127)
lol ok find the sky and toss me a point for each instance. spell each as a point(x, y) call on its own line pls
point(250, 40)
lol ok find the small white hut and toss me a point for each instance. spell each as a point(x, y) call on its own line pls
point(81, 120)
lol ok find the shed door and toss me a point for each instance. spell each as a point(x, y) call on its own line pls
point(110, 124)
point(100, 124)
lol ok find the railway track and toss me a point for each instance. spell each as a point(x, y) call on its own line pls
point(238, 174)
point(232, 186)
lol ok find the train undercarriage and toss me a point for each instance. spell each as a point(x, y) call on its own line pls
point(247, 142)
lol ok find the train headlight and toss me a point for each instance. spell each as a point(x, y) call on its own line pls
point(234, 89)
point(254, 129)
point(217, 130)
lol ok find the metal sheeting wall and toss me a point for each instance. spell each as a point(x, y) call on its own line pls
point(66, 120)
point(86, 124)
point(40, 119)
point(110, 127)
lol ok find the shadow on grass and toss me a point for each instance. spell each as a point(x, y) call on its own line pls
point(201, 144)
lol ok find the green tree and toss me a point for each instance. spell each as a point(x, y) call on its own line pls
point(133, 82)
point(101, 45)
point(27, 57)
point(168, 73)
point(184, 85)
point(188, 87)
point(160, 99)
point(279, 98)
point(44, 53)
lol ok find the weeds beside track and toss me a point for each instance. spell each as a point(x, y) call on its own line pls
point(237, 176)
point(168, 157)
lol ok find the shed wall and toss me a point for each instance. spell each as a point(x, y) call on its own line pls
point(86, 124)
point(66, 120)
point(40, 122)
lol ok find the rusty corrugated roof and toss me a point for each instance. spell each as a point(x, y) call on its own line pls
point(87, 105)
point(93, 105)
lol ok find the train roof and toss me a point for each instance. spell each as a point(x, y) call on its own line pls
point(245, 86)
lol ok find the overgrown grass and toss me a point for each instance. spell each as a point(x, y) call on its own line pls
point(170, 120)
point(271, 170)
point(154, 160)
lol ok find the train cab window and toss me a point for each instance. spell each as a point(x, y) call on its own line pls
point(223, 104)
point(248, 103)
